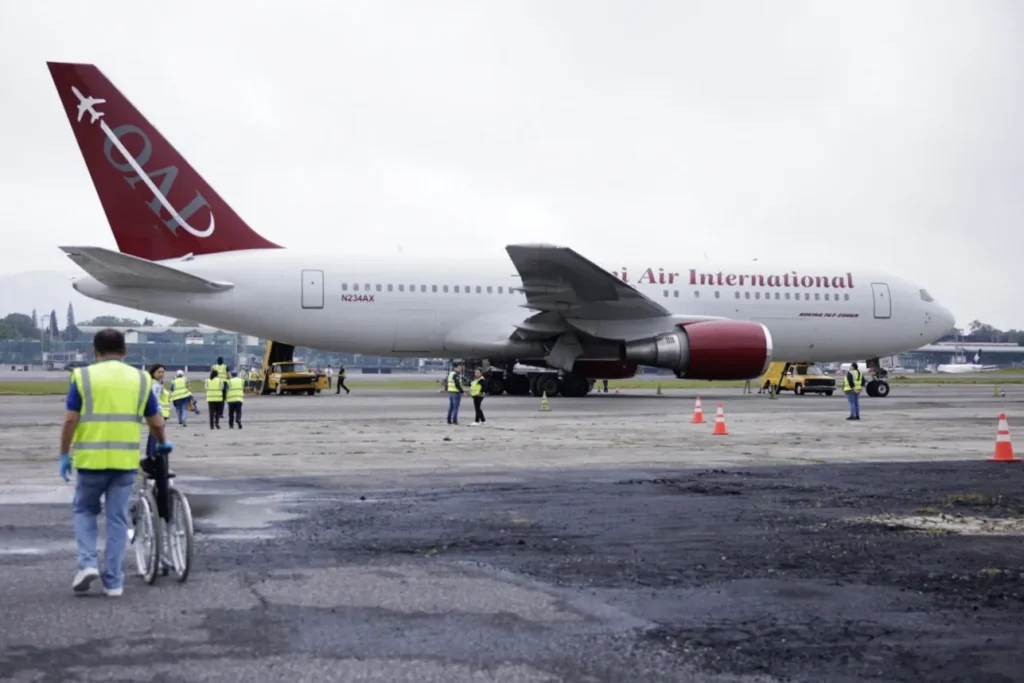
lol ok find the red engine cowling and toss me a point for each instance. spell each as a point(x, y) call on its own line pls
point(715, 349)
point(605, 369)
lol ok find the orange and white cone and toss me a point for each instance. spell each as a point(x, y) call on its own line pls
point(698, 413)
point(1004, 449)
point(720, 429)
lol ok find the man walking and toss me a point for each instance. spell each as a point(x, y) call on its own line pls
point(105, 406)
point(455, 392)
point(341, 380)
point(851, 387)
point(235, 396)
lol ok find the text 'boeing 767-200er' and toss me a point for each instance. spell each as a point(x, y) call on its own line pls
point(185, 253)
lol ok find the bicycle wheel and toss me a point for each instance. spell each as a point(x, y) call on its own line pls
point(147, 538)
point(180, 535)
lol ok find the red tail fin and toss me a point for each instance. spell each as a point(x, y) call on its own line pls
point(156, 203)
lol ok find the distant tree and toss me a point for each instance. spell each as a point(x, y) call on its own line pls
point(35, 320)
point(7, 330)
point(112, 321)
point(184, 323)
point(148, 322)
point(54, 330)
point(70, 320)
point(22, 326)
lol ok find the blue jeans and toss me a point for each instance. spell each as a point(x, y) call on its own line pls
point(853, 398)
point(115, 486)
point(454, 401)
point(181, 408)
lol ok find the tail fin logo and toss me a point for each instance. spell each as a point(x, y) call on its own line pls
point(178, 219)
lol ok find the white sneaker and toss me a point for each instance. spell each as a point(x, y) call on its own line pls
point(84, 579)
point(114, 592)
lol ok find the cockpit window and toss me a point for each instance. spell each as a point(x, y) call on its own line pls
point(925, 296)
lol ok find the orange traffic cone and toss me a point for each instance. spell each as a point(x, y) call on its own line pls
point(698, 413)
point(1004, 449)
point(720, 429)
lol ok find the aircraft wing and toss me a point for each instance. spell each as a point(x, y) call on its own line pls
point(115, 269)
point(557, 279)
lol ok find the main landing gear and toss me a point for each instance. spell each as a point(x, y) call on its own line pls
point(537, 384)
point(877, 386)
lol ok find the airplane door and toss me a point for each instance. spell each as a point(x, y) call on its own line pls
point(883, 304)
point(312, 289)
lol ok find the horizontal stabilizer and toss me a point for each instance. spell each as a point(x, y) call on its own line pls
point(115, 269)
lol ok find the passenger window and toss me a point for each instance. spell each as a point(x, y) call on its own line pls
point(696, 293)
point(366, 287)
point(757, 295)
point(401, 288)
point(817, 297)
point(807, 296)
point(456, 289)
point(776, 296)
point(500, 290)
point(433, 288)
point(787, 296)
point(846, 296)
point(478, 289)
point(344, 286)
point(423, 288)
point(488, 289)
point(718, 294)
point(445, 288)
point(666, 293)
point(746, 295)
point(355, 288)
point(737, 295)
point(378, 288)
point(467, 290)
point(390, 288)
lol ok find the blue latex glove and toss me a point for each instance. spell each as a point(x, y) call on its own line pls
point(65, 466)
point(165, 447)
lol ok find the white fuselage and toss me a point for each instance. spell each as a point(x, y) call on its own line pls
point(408, 307)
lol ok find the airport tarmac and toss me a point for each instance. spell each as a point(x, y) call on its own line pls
point(360, 538)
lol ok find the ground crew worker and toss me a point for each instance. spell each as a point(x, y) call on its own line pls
point(181, 396)
point(106, 403)
point(221, 369)
point(234, 397)
point(341, 380)
point(455, 393)
point(476, 390)
point(216, 389)
point(254, 379)
point(163, 397)
point(851, 387)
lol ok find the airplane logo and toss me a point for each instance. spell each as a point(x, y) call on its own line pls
point(87, 104)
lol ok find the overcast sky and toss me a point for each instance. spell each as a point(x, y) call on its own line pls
point(877, 134)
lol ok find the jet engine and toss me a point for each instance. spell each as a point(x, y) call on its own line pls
point(713, 349)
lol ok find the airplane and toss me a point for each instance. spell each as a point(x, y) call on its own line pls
point(184, 253)
point(954, 367)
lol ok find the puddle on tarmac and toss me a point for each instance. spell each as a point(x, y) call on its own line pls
point(40, 548)
point(60, 494)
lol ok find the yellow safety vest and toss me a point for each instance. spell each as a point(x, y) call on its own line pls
point(179, 388)
point(451, 382)
point(109, 430)
point(215, 390)
point(236, 390)
point(222, 371)
point(476, 387)
point(858, 380)
point(165, 402)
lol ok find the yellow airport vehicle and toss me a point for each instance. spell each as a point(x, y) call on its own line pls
point(800, 378)
point(283, 375)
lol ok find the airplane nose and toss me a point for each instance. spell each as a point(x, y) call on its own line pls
point(947, 319)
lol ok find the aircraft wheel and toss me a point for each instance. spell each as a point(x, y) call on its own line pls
point(547, 384)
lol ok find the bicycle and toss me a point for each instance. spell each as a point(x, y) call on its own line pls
point(161, 518)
